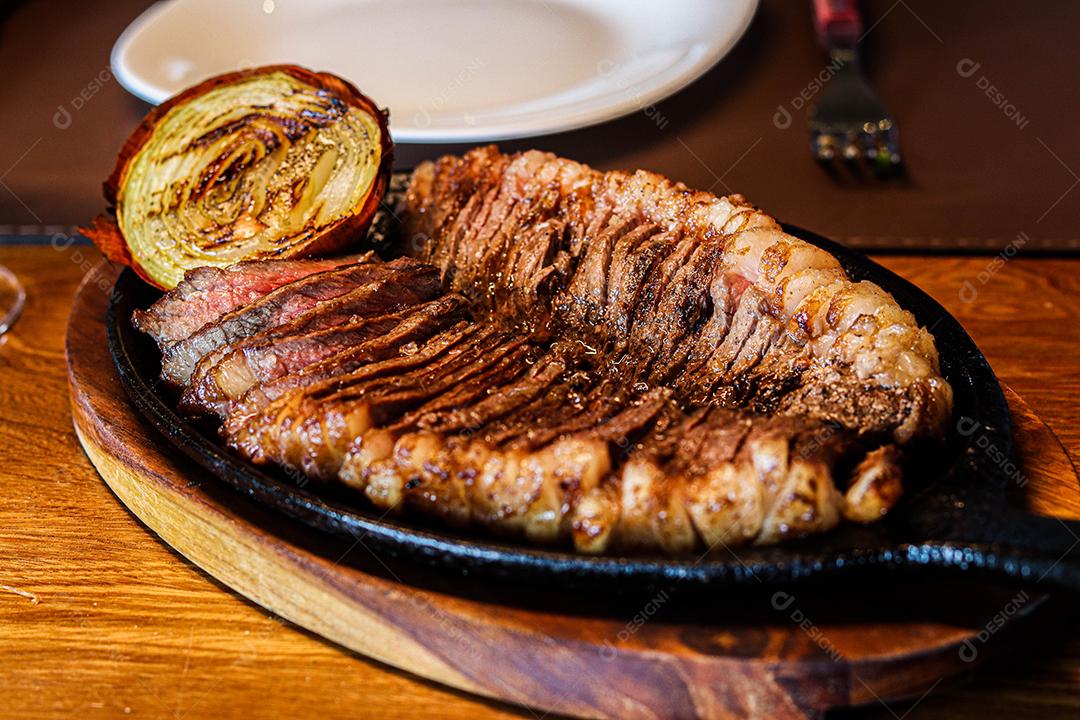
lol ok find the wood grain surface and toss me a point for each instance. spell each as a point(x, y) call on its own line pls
point(98, 616)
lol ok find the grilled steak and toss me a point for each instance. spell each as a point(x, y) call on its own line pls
point(330, 327)
point(607, 360)
point(402, 344)
point(207, 293)
point(241, 365)
point(635, 265)
point(276, 308)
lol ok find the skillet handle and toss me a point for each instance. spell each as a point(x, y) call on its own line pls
point(1036, 549)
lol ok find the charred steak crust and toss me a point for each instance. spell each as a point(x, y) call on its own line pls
point(609, 360)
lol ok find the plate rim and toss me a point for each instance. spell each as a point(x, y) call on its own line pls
point(135, 83)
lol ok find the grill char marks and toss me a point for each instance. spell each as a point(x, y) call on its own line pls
point(607, 360)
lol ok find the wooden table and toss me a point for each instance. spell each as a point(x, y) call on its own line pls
point(99, 617)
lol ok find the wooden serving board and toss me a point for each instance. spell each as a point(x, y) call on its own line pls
point(787, 655)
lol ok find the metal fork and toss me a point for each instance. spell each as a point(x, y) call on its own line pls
point(849, 120)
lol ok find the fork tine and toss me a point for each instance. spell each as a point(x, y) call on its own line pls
point(823, 146)
point(852, 151)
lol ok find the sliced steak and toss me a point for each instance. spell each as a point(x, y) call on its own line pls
point(649, 270)
point(332, 326)
point(430, 330)
point(262, 406)
point(207, 293)
point(273, 309)
point(623, 363)
point(312, 430)
point(499, 401)
point(246, 364)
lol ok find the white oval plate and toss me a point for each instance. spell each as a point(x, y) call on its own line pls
point(450, 70)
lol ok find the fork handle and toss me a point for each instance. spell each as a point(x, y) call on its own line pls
point(838, 23)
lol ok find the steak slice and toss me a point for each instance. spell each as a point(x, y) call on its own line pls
point(207, 293)
point(249, 363)
point(259, 410)
point(273, 309)
point(430, 330)
point(499, 401)
point(333, 326)
point(313, 429)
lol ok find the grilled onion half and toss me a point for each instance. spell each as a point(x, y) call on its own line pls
point(276, 161)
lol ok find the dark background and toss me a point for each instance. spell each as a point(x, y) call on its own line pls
point(976, 178)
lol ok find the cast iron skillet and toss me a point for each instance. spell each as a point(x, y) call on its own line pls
point(956, 515)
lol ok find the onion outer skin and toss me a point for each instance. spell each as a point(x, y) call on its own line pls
point(106, 232)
